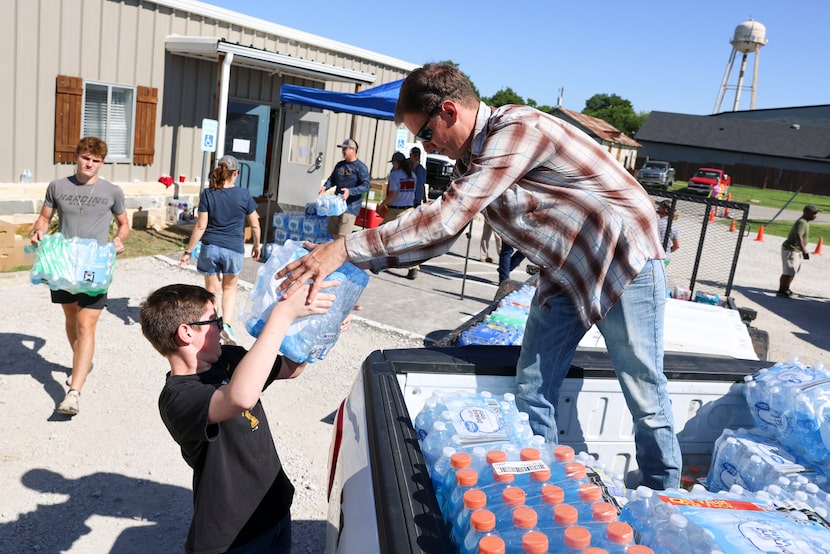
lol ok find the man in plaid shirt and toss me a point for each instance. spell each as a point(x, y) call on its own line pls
point(558, 197)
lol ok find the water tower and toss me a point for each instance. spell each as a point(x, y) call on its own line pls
point(749, 37)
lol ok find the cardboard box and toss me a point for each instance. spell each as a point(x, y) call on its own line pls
point(12, 257)
point(7, 233)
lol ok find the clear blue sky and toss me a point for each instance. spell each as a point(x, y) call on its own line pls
point(660, 55)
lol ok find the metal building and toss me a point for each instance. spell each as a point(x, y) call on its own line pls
point(144, 74)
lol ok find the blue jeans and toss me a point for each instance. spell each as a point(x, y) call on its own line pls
point(633, 333)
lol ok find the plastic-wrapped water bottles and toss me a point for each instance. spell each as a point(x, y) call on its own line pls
point(482, 524)
point(331, 204)
point(473, 499)
point(753, 462)
point(465, 479)
point(439, 470)
point(616, 539)
point(791, 402)
point(524, 520)
point(310, 338)
point(535, 542)
point(576, 539)
point(433, 445)
point(75, 265)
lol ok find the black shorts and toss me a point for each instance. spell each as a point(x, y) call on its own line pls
point(98, 302)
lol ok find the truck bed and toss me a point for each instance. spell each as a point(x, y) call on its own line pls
point(705, 390)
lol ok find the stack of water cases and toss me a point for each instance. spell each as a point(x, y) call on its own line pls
point(300, 226)
point(76, 265)
point(505, 325)
point(699, 521)
point(502, 489)
point(791, 403)
point(310, 338)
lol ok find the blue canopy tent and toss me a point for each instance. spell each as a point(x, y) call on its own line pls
point(377, 102)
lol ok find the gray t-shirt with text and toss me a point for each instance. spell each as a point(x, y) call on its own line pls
point(85, 211)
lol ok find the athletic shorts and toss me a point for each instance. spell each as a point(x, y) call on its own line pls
point(215, 259)
point(98, 302)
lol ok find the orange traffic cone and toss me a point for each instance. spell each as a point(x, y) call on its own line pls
point(760, 237)
point(817, 251)
point(712, 216)
point(726, 210)
point(732, 226)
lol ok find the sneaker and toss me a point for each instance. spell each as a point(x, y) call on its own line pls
point(69, 378)
point(69, 406)
point(226, 335)
point(786, 294)
point(412, 274)
point(488, 260)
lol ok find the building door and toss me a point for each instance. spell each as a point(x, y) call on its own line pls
point(246, 138)
point(303, 144)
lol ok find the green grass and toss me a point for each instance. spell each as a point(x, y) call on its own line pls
point(144, 243)
point(776, 199)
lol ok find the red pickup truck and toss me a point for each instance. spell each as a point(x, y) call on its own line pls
point(711, 181)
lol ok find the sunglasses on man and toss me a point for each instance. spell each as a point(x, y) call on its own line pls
point(424, 133)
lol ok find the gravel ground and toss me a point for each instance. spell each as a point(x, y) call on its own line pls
point(112, 480)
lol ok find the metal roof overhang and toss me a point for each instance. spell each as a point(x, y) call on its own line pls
point(210, 48)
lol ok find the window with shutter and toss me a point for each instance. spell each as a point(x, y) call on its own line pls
point(123, 116)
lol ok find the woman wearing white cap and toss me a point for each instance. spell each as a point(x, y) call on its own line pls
point(223, 210)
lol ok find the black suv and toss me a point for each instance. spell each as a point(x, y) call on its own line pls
point(439, 174)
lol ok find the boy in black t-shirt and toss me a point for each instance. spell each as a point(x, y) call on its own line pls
point(210, 405)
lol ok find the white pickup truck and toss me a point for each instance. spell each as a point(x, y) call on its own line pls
point(380, 495)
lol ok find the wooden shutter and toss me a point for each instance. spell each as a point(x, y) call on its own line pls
point(144, 146)
point(69, 94)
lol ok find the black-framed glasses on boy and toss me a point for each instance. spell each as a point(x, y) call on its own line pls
point(216, 320)
point(424, 133)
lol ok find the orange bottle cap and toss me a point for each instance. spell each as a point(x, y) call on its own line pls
point(491, 545)
point(503, 477)
point(529, 454)
point(475, 499)
point(534, 542)
point(483, 520)
point(563, 453)
point(575, 470)
point(466, 477)
point(461, 459)
point(577, 537)
point(551, 494)
point(565, 514)
point(541, 476)
point(619, 532)
point(590, 492)
point(513, 496)
point(495, 456)
point(639, 549)
point(594, 550)
point(604, 511)
point(524, 517)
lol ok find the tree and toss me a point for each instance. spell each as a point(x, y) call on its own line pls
point(504, 96)
point(615, 110)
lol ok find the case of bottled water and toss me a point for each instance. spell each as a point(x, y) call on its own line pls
point(310, 338)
